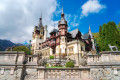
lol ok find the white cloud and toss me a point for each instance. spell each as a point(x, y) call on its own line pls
point(18, 17)
point(91, 6)
point(72, 20)
point(75, 21)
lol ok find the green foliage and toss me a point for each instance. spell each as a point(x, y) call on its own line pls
point(47, 65)
point(51, 57)
point(22, 48)
point(119, 27)
point(69, 64)
point(108, 34)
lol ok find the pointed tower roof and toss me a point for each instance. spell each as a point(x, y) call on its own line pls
point(90, 33)
point(89, 28)
point(62, 21)
point(62, 9)
point(40, 21)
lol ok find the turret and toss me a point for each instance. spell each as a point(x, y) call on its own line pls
point(90, 33)
point(62, 25)
point(92, 38)
point(40, 21)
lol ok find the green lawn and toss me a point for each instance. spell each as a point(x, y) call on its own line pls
point(56, 67)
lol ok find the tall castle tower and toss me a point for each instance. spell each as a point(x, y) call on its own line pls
point(62, 26)
point(39, 35)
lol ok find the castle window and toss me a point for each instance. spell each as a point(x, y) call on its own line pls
point(39, 43)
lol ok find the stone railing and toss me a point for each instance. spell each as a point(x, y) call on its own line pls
point(63, 73)
point(104, 58)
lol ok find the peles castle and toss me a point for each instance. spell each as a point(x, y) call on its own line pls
point(64, 46)
point(61, 42)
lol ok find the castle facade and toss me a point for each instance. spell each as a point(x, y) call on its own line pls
point(61, 42)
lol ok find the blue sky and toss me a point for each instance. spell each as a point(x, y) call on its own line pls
point(110, 12)
point(18, 17)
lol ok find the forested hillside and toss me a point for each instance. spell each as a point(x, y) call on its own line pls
point(7, 43)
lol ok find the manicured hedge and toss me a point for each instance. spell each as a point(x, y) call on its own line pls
point(69, 64)
point(51, 57)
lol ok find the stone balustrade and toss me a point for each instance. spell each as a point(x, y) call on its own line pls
point(104, 58)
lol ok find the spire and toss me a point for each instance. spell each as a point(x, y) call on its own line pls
point(62, 9)
point(62, 14)
point(89, 28)
point(62, 21)
point(41, 14)
point(40, 20)
point(90, 33)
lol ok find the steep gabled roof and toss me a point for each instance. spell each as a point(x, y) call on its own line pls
point(74, 33)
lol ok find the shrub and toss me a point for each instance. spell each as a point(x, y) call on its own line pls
point(47, 65)
point(22, 48)
point(69, 64)
point(51, 57)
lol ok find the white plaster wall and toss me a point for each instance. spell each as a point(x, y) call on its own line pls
point(57, 49)
point(62, 47)
point(76, 47)
point(50, 51)
point(62, 44)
